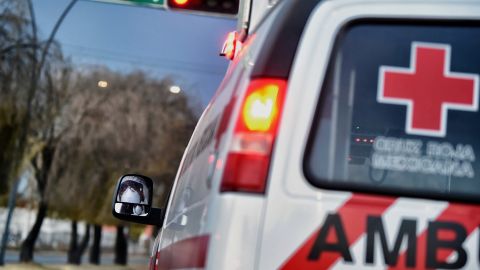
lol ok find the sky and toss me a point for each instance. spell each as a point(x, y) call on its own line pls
point(162, 43)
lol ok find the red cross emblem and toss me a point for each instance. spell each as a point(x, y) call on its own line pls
point(428, 88)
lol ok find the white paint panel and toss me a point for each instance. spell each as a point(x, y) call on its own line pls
point(289, 223)
point(234, 220)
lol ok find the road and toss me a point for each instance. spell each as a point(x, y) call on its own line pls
point(59, 258)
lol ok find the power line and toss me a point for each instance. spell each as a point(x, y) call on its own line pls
point(149, 65)
point(133, 55)
point(154, 62)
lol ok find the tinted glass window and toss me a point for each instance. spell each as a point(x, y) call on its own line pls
point(398, 111)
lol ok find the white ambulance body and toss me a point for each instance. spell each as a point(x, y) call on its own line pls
point(345, 135)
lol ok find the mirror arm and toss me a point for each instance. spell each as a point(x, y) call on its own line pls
point(155, 217)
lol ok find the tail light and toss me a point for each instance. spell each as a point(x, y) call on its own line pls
point(248, 159)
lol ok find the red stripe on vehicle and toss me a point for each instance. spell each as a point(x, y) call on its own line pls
point(353, 214)
point(187, 253)
point(466, 215)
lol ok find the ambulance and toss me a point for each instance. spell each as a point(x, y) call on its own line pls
point(345, 135)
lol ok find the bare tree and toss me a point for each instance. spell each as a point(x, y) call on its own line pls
point(29, 101)
point(80, 138)
point(16, 67)
point(47, 107)
point(133, 125)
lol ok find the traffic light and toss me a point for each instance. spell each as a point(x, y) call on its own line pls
point(219, 7)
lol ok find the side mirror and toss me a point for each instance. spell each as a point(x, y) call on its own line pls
point(132, 200)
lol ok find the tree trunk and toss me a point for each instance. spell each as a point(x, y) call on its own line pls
point(121, 247)
point(73, 243)
point(8, 137)
point(26, 250)
point(42, 168)
point(83, 245)
point(75, 251)
point(95, 249)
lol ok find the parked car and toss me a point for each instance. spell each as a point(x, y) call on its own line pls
point(269, 180)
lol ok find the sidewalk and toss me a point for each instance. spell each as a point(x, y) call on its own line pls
point(70, 267)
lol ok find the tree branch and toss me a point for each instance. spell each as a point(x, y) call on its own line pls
point(17, 47)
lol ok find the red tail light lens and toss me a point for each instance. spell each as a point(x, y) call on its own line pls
point(248, 160)
point(260, 110)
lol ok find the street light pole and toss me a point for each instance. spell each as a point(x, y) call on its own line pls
point(11, 205)
point(26, 122)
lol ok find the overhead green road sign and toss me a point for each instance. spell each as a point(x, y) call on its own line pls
point(144, 3)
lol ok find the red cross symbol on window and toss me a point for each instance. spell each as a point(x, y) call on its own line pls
point(428, 88)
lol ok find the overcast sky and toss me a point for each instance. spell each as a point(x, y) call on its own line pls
point(126, 37)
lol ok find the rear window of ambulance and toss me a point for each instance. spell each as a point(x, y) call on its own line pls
point(398, 111)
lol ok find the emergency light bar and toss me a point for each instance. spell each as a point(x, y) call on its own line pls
point(232, 46)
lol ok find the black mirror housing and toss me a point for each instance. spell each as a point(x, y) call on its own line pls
point(132, 200)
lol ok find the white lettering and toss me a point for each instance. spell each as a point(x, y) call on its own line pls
point(425, 164)
point(448, 151)
point(398, 146)
point(437, 158)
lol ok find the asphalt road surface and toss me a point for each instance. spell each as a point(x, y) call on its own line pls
point(54, 257)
